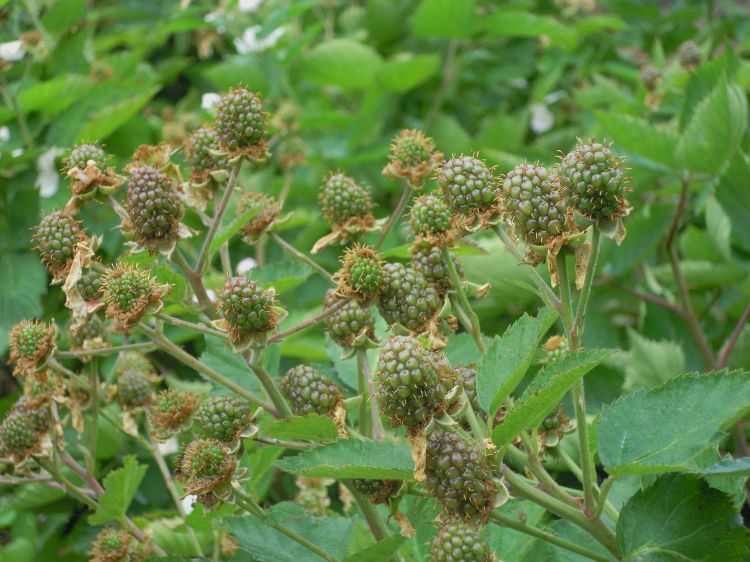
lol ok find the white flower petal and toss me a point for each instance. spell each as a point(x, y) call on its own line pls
point(249, 5)
point(542, 119)
point(4, 134)
point(12, 51)
point(169, 447)
point(209, 100)
point(188, 503)
point(48, 178)
point(246, 265)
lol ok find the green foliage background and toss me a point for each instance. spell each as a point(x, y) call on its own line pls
point(513, 81)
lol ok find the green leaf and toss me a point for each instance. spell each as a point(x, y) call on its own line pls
point(510, 23)
point(545, 392)
point(234, 227)
point(702, 274)
point(509, 357)
point(680, 518)
point(283, 275)
point(703, 81)
point(715, 130)
point(119, 488)
point(108, 119)
point(731, 193)
point(24, 282)
point(266, 544)
point(444, 18)
point(307, 428)
point(728, 467)
point(352, 458)
point(221, 358)
point(649, 142)
point(719, 227)
point(382, 550)
point(651, 362)
point(63, 14)
point(543, 551)
point(407, 71)
point(656, 431)
point(463, 350)
point(646, 230)
point(342, 62)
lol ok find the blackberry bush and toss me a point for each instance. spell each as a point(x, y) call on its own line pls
point(153, 207)
point(468, 184)
point(128, 293)
point(342, 199)
point(361, 275)
point(349, 322)
point(202, 149)
point(406, 298)
point(241, 123)
point(246, 308)
point(56, 239)
point(430, 219)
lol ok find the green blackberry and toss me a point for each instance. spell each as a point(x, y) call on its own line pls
point(223, 418)
point(468, 184)
point(269, 210)
point(412, 156)
point(458, 541)
point(127, 292)
point(310, 392)
point(55, 238)
point(595, 181)
point(90, 284)
point(377, 491)
point(342, 199)
point(201, 148)
point(31, 342)
point(246, 307)
point(459, 476)
point(362, 273)
point(555, 347)
point(172, 410)
point(153, 206)
point(534, 203)
point(240, 120)
point(429, 216)
point(82, 154)
point(348, 322)
point(133, 390)
point(468, 379)
point(410, 391)
point(36, 413)
point(134, 361)
point(650, 77)
point(19, 433)
point(111, 545)
point(406, 298)
point(87, 331)
point(428, 260)
point(205, 466)
point(689, 55)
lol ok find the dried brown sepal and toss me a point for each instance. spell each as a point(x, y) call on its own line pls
point(264, 218)
point(171, 411)
point(200, 480)
point(150, 155)
point(344, 232)
point(418, 444)
point(358, 261)
point(31, 343)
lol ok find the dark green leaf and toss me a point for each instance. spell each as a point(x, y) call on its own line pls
point(283, 275)
point(342, 62)
point(731, 193)
point(379, 551)
point(444, 18)
point(119, 488)
point(233, 227)
point(220, 357)
point(307, 428)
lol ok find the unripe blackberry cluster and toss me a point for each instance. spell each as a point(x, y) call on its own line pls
point(88, 330)
point(240, 120)
point(55, 238)
point(31, 342)
point(128, 291)
point(406, 298)
point(201, 148)
point(89, 284)
point(206, 465)
point(172, 410)
point(134, 361)
point(377, 491)
point(534, 202)
point(362, 273)
point(223, 418)
point(269, 210)
point(348, 322)
point(153, 206)
point(133, 390)
point(112, 545)
point(410, 391)
point(457, 541)
point(468, 184)
point(309, 392)
point(247, 308)
point(430, 217)
point(555, 347)
point(459, 476)
point(342, 199)
point(428, 260)
point(650, 77)
point(21, 431)
point(82, 154)
point(595, 181)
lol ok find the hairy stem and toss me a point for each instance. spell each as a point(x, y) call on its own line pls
point(143, 347)
point(531, 462)
point(721, 362)
point(396, 215)
point(93, 425)
point(196, 283)
point(279, 402)
point(363, 386)
point(309, 322)
point(202, 328)
point(234, 173)
point(184, 357)
point(300, 256)
point(476, 330)
point(576, 334)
